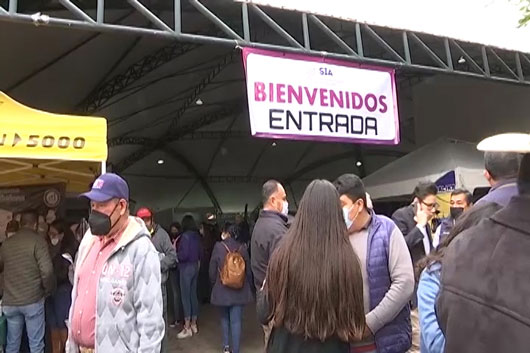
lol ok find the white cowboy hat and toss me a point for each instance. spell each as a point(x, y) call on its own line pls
point(511, 142)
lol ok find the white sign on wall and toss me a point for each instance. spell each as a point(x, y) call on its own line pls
point(300, 97)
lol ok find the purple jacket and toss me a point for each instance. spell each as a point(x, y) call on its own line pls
point(501, 193)
point(189, 248)
point(222, 295)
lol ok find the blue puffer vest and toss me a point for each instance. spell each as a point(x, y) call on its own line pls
point(447, 224)
point(396, 336)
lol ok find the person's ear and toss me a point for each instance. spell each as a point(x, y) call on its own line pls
point(488, 176)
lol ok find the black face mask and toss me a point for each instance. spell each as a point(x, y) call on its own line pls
point(101, 224)
point(456, 212)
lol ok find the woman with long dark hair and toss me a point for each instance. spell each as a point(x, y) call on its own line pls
point(63, 248)
point(429, 270)
point(313, 292)
point(189, 253)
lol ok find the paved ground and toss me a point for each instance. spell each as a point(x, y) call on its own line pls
point(209, 339)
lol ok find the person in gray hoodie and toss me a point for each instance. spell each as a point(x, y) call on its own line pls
point(166, 253)
point(114, 307)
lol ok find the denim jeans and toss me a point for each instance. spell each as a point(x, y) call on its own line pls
point(33, 316)
point(188, 286)
point(231, 321)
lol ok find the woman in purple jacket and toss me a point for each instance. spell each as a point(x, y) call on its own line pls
point(189, 256)
point(230, 301)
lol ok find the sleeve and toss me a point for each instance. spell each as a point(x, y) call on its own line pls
point(412, 236)
point(401, 288)
point(44, 261)
point(276, 238)
point(214, 263)
point(431, 333)
point(262, 307)
point(184, 248)
point(436, 237)
point(148, 302)
point(170, 255)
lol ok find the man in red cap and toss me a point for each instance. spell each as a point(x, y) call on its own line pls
point(166, 253)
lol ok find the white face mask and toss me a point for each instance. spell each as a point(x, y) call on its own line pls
point(224, 236)
point(55, 241)
point(285, 209)
point(346, 212)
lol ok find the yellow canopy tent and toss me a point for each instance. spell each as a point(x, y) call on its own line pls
point(38, 148)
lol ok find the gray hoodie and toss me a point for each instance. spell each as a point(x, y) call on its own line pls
point(166, 251)
point(135, 324)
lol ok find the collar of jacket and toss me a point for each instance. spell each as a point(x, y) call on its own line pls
point(504, 183)
point(274, 214)
point(515, 214)
point(134, 230)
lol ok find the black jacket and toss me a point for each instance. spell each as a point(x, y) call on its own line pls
point(404, 219)
point(269, 229)
point(483, 300)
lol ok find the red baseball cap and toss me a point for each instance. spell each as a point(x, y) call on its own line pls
point(144, 212)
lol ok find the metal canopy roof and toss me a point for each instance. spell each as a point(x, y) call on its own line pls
point(146, 68)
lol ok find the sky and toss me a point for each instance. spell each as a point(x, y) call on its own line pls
point(489, 22)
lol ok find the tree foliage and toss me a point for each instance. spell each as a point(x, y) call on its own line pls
point(525, 10)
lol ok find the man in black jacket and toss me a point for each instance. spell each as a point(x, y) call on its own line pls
point(268, 231)
point(483, 300)
point(413, 220)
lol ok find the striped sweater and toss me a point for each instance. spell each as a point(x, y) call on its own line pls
point(27, 266)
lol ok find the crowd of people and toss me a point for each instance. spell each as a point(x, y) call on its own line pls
point(335, 278)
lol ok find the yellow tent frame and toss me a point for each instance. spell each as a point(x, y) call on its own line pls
point(38, 147)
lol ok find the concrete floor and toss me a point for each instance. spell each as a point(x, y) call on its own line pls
point(209, 339)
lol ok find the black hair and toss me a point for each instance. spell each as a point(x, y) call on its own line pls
point(424, 189)
point(269, 188)
point(12, 226)
point(352, 186)
point(502, 165)
point(189, 224)
point(69, 243)
point(523, 181)
point(468, 195)
point(29, 218)
point(232, 229)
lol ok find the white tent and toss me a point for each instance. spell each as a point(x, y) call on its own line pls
point(429, 163)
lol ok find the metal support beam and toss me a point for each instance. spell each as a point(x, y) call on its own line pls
point(382, 43)
point(503, 64)
point(212, 17)
point(262, 152)
point(13, 6)
point(485, 61)
point(406, 48)
point(193, 170)
point(468, 58)
point(150, 16)
point(429, 52)
point(76, 11)
point(305, 30)
point(178, 19)
point(133, 73)
point(100, 18)
point(246, 23)
point(335, 38)
point(359, 40)
point(276, 27)
point(519, 67)
point(448, 55)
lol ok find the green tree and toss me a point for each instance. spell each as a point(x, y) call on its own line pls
point(525, 10)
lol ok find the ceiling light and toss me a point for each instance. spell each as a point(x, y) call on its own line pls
point(199, 102)
point(274, 144)
point(359, 163)
point(160, 161)
point(461, 60)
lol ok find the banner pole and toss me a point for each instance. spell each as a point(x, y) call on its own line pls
point(103, 167)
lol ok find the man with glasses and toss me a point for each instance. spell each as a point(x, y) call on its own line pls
point(414, 222)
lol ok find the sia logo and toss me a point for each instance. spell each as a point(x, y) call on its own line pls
point(118, 294)
point(47, 141)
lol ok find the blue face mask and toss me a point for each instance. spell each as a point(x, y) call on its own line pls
point(346, 212)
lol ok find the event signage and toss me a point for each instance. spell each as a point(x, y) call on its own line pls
point(301, 97)
point(33, 134)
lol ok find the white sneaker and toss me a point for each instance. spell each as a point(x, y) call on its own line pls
point(185, 333)
point(194, 329)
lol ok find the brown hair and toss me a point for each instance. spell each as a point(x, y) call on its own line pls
point(314, 283)
point(468, 219)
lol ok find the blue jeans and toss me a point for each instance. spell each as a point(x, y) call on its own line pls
point(231, 320)
point(188, 286)
point(33, 316)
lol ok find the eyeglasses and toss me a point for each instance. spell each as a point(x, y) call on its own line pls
point(430, 205)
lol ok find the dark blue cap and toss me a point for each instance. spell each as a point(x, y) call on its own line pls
point(107, 187)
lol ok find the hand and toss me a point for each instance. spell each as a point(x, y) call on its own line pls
point(421, 217)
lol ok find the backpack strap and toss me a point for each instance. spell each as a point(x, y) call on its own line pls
point(226, 247)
